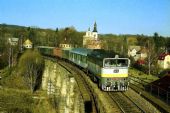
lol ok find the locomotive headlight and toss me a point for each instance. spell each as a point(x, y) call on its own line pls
point(109, 79)
point(108, 82)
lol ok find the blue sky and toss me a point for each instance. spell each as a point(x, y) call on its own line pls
point(112, 16)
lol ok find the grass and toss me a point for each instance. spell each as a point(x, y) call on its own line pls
point(141, 75)
point(22, 101)
point(15, 101)
point(17, 98)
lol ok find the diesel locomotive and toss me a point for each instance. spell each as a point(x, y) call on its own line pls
point(106, 67)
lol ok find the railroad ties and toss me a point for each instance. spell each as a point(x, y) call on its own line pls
point(124, 103)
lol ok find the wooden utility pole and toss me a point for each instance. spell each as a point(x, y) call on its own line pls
point(9, 56)
point(149, 58)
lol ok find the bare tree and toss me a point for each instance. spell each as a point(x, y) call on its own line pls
point(31, 65)
point(152, 56)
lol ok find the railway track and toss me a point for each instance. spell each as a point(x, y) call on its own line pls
point(138, 82)
point(125, 104)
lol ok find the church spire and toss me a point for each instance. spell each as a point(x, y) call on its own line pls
point(95, 27)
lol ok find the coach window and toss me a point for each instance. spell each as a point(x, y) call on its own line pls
point(84, 59)
point(81, 58)
point(71, 55)
point(75, 56)
point(78, 57)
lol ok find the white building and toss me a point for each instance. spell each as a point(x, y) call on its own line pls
point(137, 52)
point(27, 44)
point(90, 39)
point(164, 61)
point(13, 41)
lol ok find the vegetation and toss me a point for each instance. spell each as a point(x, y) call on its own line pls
point(27, 74)
point(15, 93)
point(31, 65)
point(22, 101)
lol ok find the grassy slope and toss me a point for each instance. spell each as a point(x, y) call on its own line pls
point(16, 98)
point(22, 101)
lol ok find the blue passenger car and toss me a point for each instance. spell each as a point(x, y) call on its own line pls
point(65, 53)
point(79, 56)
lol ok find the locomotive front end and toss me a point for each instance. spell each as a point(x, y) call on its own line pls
point(114, 74)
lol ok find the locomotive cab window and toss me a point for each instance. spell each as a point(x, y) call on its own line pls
point(110, 63)
point(122, 62)
point(115, 62)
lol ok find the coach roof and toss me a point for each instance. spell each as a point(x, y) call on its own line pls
point(81, 51)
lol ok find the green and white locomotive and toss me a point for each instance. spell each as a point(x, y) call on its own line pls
point(110, 71)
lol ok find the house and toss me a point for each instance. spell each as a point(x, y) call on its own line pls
point(13, 41)
point(132, 50)
point(164, 61)
point(65, 44)
point(137, 52)
point(27, 44)
point(142, 53)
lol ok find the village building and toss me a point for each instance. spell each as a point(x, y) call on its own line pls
point(142, 53)
point(164, 61)
point(27, 44)
point(65, 44)
point(137, 52)
point(13, 41)
point(90, 39)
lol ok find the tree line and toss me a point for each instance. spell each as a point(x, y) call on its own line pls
point(156, 44)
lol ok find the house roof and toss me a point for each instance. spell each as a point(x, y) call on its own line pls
point(14, 39)
point(137, 48)
point(27, 42)
point(162, 56)
point(142, 50)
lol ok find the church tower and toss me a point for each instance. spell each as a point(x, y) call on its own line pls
point(95, 27)
point(95, 35)
point(90, 39)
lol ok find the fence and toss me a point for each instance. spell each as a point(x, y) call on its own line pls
point(154, 90)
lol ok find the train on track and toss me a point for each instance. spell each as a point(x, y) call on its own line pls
point(105, 67)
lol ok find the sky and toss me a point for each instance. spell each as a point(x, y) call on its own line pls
point(112, 16)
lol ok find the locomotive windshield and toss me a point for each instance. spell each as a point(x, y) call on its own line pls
point(116, 63)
